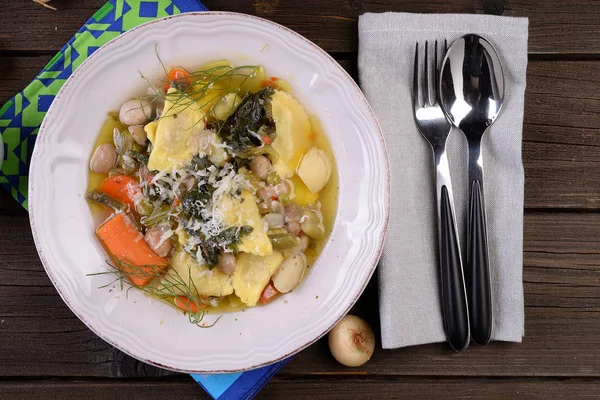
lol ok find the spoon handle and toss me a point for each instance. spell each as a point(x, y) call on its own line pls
point(454, 297)
point(478, 270)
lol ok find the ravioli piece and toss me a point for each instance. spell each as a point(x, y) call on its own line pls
point(252, 275)
point(185, 272)
point(150, 129)
point(244, 212)
point(176, 135)
point(293, 132)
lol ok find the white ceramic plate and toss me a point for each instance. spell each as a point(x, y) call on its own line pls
point(145, 328)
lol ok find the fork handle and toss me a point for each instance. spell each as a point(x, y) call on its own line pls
point(454, 301)
point(478, 268)
point(452, 285)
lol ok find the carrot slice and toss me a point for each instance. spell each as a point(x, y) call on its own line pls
point(176, 202)
point(130, 252)
point(122, 188)
point(268, 82)
point(268, 294)
point(179, 78)
point(185, 304)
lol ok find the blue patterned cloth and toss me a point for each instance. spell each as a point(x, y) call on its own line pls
point(243, 385)
point(21, 117)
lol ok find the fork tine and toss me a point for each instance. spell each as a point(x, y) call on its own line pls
point(416, 102)
point(427, 96)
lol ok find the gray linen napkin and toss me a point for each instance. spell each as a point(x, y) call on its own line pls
point(408, 272)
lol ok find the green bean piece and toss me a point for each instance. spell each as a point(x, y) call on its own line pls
point(313, 225)
point(272, 178)
point(276, 231)
point(284, 199)
point(285, 241)
point(102, 199)
point(144, 207)
point(263, 208)
point(158, 215)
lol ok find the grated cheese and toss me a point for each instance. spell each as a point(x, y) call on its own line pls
point(225, 181)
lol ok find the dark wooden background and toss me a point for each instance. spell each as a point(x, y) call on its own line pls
point(46, 352)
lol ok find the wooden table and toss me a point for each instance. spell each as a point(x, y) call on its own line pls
point(47, 353)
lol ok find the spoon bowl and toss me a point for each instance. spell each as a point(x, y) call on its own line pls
point(471, 88)
point(472, 85)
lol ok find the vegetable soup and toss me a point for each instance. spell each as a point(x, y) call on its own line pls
point(214, 192)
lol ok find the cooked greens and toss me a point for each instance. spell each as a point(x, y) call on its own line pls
point(252, 121)
point(228, 239)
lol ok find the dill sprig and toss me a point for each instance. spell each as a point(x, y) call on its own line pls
point(216, 82)
point(164, 285)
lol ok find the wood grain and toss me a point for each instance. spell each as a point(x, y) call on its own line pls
point(303, 388)
point(561, 135)
point(556, 27)
point(41, 337)
point(426, 389)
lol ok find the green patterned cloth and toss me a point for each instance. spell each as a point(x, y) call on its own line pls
point(22, 116)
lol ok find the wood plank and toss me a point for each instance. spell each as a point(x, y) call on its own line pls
point(41, 337)
point(17, 72)
point(556, 27)
point(425, 389)
point(561, 135)
point(561, 138)
point(283, 386)
point(179, 389)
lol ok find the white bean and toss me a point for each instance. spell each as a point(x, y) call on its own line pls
point(274, 220)
point(293, 227)
point(103, 159)
point(260, 165)
point(154, 239)
point(227, 263)
point(293, 212)
point(289, 273)
point(270, 191)
point(135, 112)
point(138, 133)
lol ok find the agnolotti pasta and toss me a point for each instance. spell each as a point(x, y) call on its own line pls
point(217, 191)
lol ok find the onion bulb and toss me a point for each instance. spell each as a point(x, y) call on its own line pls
point(352, 341)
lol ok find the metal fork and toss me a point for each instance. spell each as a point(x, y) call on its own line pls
point(434, 127)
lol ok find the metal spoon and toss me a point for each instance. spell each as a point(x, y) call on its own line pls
point(471, 94)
